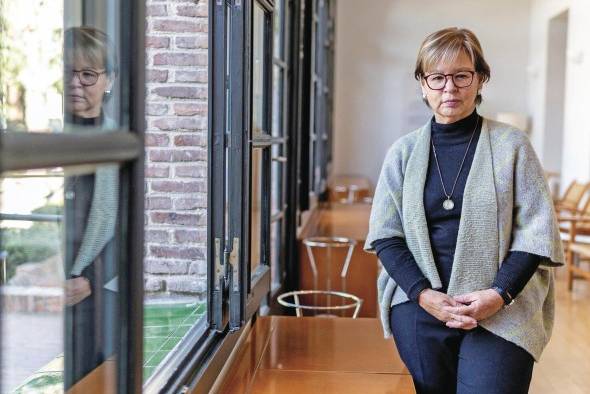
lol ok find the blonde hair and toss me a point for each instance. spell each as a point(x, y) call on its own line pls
point(92, 45)
point(445, 46)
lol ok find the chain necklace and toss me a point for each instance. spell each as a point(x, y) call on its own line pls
point(448, 204)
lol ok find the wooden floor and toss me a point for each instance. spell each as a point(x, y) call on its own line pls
point(565, 364)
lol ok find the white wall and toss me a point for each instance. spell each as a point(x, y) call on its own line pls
point(576, 136)
point(377, 99)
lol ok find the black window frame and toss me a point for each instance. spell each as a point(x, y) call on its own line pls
point(32, 150)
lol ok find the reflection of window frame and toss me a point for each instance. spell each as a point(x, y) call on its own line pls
point(30, 150)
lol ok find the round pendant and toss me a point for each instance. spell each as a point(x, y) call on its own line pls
point(448, 204)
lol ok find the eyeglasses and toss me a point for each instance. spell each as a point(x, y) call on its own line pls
point(461, 79)
point(86, 77)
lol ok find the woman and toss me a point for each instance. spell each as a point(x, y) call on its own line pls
point(91, 206)
point(463, 223)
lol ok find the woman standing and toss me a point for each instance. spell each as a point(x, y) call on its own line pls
point(91, 207)
point(463, 223)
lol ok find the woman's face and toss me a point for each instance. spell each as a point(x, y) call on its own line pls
point(451, 103)
point(84, 98)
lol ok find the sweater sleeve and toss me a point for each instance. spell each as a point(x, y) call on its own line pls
point(400, 264)
point(516, 270)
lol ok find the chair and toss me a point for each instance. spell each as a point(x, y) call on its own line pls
point(356, 302)
point(577, 253)
point(576, 242)
point(573, 196)
point(328, 244)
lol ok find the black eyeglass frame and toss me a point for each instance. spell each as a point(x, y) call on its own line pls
point(72, 72)
point(452, 75)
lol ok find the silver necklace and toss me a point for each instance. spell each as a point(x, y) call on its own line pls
point(448, 204)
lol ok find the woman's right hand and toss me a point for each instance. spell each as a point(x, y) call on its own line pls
point(433, 302)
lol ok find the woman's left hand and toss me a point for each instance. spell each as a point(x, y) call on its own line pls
point(479, 304)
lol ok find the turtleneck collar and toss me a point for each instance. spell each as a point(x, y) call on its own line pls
point(454, 132)
point(78, 120)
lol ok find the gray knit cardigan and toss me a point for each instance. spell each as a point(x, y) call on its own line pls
point(506, 206)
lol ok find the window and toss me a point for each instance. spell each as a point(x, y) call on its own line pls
point(71, 218)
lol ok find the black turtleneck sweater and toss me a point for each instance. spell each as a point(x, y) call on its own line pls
point(451, 141)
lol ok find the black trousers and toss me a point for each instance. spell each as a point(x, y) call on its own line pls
point(445, 360)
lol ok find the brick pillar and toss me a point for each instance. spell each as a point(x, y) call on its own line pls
point(176, 149)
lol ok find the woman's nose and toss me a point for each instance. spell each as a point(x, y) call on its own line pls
point(73, 79)
point(449, 83)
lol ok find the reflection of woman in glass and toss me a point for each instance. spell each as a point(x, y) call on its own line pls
point(91, 208)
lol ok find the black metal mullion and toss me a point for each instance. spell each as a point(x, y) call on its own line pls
point(130, 362)
point(239, 141)
point(216, 167)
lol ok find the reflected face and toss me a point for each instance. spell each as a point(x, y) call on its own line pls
point(452, 103)
point(84, 98)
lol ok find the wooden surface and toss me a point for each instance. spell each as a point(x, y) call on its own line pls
point(342, 220)
point(565, 363)
point(103, 379)
point(339, 185)
point(286, 354)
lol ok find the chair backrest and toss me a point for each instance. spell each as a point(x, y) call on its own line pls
point(573, 196)
point(329, 243)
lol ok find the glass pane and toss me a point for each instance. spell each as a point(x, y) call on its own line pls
point(60, 233)
point(256, 211)
point(258, 71)
point(59, 65)
point(277, 101)
point(275, 253)
point(276, 181)
point(278, 29)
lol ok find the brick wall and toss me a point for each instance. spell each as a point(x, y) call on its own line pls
point(176, 148)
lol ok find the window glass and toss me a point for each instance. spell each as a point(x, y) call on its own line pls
point(278, 29)
point(60, 248)
point(59, 66)
point(277, 101)
point(256, 211)
point(258, 71)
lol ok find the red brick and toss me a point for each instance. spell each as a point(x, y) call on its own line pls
point(152, 139)
point(181, 219)
point(180, 59)
point(185, 204)
point(178, 186)
point(190, 236)
point(158, 155)
point(183, 123)
point(186, 42)
point(157, 42)
point(190, 140)
point(166, 267)
point(191, 76)
point(193, 10)
point(158, 203)
point(158, 236)
point(180, 92)
point(190, 109)
point(189, 155)
point(157, 75)
point(156, 109)
point(156, 10)
point(157, 172)
point(195, 170)
point(176, 252)
point(178, 26)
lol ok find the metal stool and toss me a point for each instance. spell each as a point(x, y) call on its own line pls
point(329, 243)
point(356, 302)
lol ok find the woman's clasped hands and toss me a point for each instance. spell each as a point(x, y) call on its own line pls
point(461, 311)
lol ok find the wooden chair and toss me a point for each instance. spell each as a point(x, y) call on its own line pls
point(572, 198)
point(575, 231)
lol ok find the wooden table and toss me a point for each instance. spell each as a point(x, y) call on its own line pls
point(350, 221)
point(284, 354)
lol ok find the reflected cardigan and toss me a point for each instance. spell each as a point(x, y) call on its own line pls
point(506, 206)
